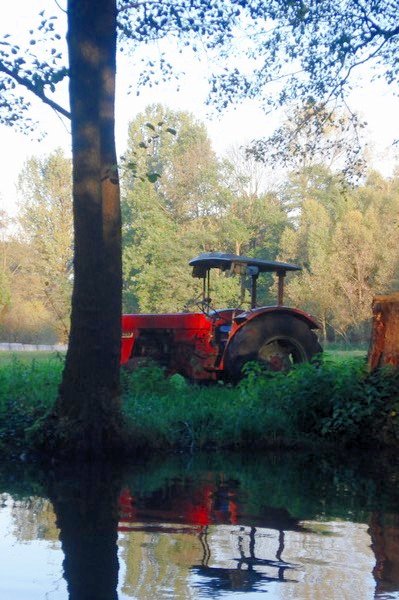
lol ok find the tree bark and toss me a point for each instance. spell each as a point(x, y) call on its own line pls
point(384, 343)
point(88, 408)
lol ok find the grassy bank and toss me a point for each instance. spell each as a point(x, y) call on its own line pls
point(337, 403)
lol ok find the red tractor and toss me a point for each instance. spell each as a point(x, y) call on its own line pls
point(213, 345)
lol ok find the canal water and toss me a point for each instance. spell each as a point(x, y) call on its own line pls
point(293, 526)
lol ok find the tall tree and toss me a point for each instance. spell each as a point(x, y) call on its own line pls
point(309, 245)
point(198, 204)
point(45, 219)
point(348, 248)
point(87, 414)
point(169, 221)
point(90, 384)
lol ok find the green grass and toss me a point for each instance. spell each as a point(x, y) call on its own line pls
point(337, 403)
point(28, 388)
point(344, 355)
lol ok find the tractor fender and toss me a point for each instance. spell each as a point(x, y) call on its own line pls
point(277, 310)
point(245, 317)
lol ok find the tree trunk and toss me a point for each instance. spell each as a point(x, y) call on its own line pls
point(88, 412)
point(384, 343)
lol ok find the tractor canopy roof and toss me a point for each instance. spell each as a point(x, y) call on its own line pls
point(237, 264)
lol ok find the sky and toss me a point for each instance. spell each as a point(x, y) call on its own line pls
point(234, 127)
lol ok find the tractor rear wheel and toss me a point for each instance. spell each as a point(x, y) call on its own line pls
point(275, 341)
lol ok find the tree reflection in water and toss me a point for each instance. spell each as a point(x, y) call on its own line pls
point(384, 533)
point(85, 501)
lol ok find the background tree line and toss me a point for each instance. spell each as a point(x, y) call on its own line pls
point(346, 237)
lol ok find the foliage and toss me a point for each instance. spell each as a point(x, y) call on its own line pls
point(198, 204)
point(25, 313)
point(292, 53)
point(332, 403)
point(27, 393)
point(346, 241)
point(27, 321)
point(346, 244)
point(315, 134)
point(314, 48)
point(338, 402)
point(307, 55)
point(311, 49)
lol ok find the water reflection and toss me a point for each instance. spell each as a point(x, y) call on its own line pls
point(249, 572)
point(85, 502)
point(384, 533)
point(204, 527)
point(197, 505)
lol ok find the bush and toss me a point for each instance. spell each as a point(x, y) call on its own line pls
point(334, 402)
point(337, 401)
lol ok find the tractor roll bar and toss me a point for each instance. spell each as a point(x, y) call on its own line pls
point(280, 293)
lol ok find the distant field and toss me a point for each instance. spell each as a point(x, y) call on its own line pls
point(342, 355)
point(28, 356)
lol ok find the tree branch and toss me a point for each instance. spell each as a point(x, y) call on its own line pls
point(38, 92)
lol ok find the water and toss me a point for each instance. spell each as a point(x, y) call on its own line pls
point(292, 526)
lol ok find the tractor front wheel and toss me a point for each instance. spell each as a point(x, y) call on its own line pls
point(275, 341)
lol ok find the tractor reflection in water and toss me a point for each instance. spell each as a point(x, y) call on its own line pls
point(191, 508)
point(213, 345)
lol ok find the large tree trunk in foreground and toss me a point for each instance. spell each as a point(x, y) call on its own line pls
point(88, 410)
point(384, 343)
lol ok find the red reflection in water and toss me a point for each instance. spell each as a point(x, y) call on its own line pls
point(199, 506)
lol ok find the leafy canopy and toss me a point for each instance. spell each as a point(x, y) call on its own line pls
point(308, 50)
